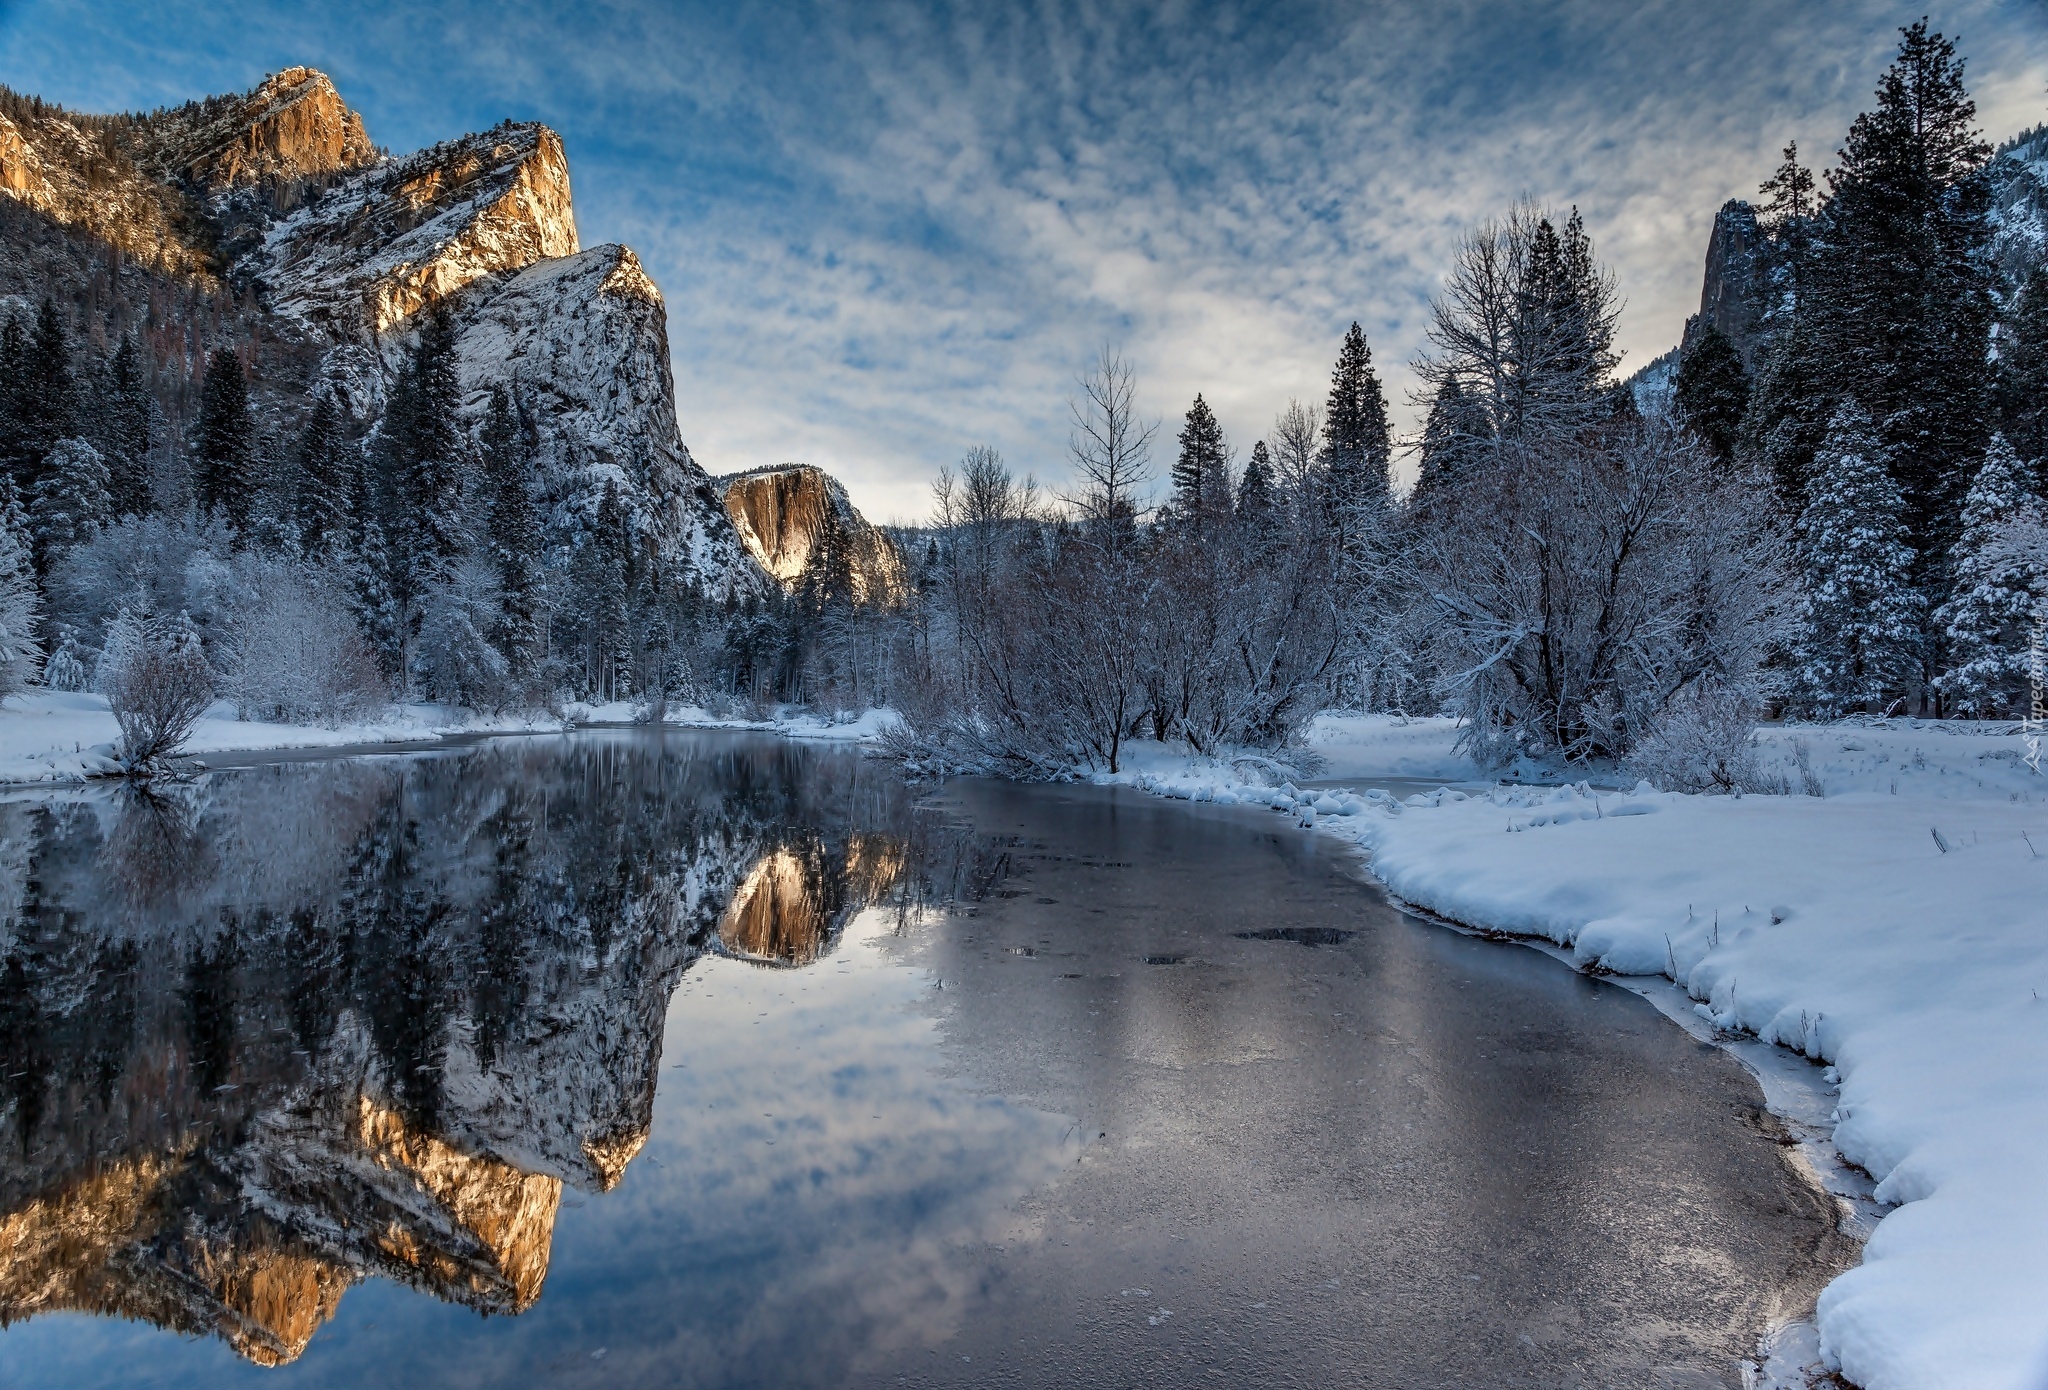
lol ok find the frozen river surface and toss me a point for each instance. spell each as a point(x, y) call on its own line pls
point(624, 1059)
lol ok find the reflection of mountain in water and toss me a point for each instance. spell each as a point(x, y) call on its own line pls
point(800, 893)
point(312, 1024)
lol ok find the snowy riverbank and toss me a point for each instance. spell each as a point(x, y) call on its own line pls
point(59, 736)
point(1896, 927)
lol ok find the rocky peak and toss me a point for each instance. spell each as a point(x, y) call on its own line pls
point(1732, 292)
point(292, 126)
point(369, 253)
point(784, 515)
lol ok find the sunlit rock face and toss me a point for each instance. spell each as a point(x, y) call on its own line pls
point(296, 1027)
point(371, 252)
point(294, 125)
point(279, 194)
point(791, 518)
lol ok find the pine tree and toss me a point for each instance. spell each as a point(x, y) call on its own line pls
point(1256, 493)
point(71, 503)
point(224, 445)
point(327, 473)
point(1560, 348)
point(21, 603)
point(1711, 390)
point(1791, 396)
point(611, 599)
point(434, 446)
point(1904, 282)
point(128, 416)
point(1358, 446)
point(1452, 437)
point(1860, 615)
point(366, 558)
point(1996, 594)
point(43, 404)
point(2023, 374)
point(515, 537)
point(1201, 474)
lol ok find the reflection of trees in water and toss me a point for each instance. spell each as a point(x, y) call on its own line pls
point(371, 1017)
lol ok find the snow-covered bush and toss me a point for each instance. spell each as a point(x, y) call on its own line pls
point(1704, 741)
point(291, 650)
point(148, 565)
point(66, 669)
point(20, 604)
point(1580, 591)
point(158, 685)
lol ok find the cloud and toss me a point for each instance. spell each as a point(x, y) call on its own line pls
point(889, 231)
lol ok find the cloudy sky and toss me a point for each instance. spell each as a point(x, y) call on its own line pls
point(888, 232)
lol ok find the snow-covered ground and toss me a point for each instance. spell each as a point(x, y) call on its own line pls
point(58, 736)
point(1895, 926)
point(848, 727)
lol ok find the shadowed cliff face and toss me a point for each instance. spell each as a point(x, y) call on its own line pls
point(796, 518)
point(296, 1027)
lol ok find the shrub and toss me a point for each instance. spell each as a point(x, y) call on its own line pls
point(158, 685)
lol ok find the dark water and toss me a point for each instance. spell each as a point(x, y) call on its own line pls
point(635, 1060)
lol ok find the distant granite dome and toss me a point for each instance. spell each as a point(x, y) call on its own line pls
point(784, 515)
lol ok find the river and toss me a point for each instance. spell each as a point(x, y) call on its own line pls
point(632, 1059)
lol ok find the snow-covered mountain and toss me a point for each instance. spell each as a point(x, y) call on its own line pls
point(1733, 287)
point(2019, 203)
point(279, 194)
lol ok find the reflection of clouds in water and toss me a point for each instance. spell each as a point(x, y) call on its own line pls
point(814, 1170)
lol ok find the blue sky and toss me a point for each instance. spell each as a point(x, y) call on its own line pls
point(888, 232)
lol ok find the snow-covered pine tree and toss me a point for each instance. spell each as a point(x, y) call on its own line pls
point(1996, 593)
point(126, 418)
point(1357, 445)
point(42, 405)
point(71, 502)
point(328, 473)
point(1904, 279)
point(1860, 615)
point(224, 444)
point(21, 602)
point(515, 542)
point(365, 557)
point(1201, 473)
point(2023, 374)
point(1711, 390)
point(436, 454)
